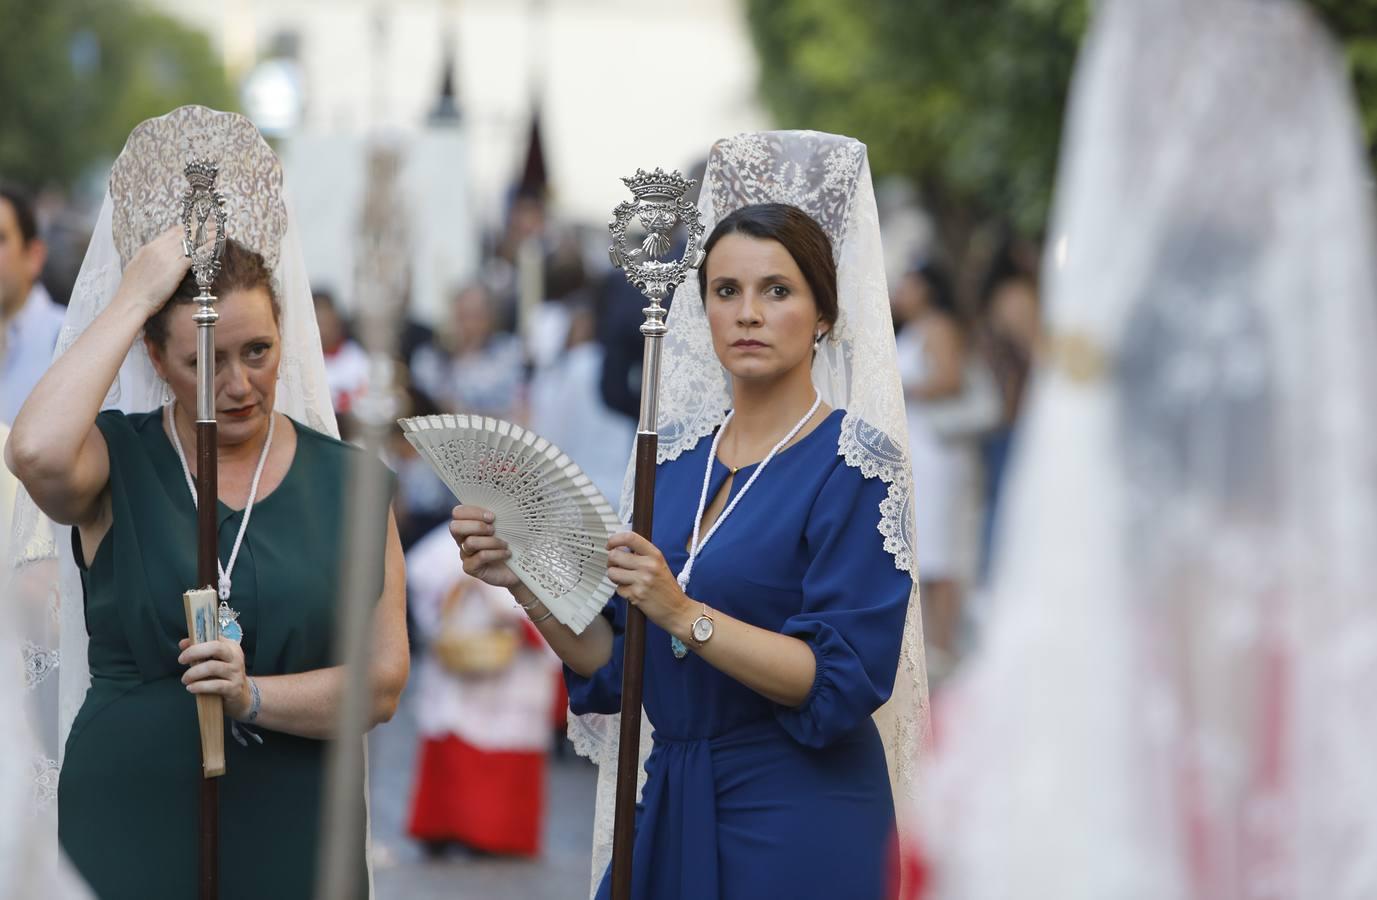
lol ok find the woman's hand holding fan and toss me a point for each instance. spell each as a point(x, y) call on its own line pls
point(527, 515)
point(484, 554)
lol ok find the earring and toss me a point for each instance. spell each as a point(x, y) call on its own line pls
point(817, 339)
point(167, 394)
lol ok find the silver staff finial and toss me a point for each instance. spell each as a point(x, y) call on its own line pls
point(200, 202)
point(661, 202)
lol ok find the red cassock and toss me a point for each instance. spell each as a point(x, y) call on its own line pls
point(486, 800)
point(484, 716)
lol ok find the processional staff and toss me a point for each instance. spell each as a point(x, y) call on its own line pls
point(660, 204)
point(202, 206)
point(380, 287)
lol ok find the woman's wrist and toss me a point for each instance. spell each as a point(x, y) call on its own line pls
point(530, 604)
point(681, 620)
point(254, 704)
point(246, 708)
point(138, 308)
point(524, 597)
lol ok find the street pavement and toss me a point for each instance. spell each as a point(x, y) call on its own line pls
point(403, 872)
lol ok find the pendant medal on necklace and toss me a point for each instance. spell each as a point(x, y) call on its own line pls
point(230, 628)
point(676, 646)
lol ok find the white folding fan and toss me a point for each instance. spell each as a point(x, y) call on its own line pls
point(554, 519)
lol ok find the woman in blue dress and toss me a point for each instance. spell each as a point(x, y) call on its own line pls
point(776, 604)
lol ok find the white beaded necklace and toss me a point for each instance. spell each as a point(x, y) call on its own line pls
point(224, 586)
point(696, 545)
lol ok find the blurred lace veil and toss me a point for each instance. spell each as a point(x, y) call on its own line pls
point(1174, 697)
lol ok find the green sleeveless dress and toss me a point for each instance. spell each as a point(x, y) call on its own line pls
point(128, 796)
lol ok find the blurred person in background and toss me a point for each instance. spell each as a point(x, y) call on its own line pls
point(1174, 698)
point(619, 318)
point(422, 500)
point(476, 368)
point(522, 241)
point(951, 400)
point(346, 362)
point(567, 408)
point(527, 219)
point(563, 287)
point(29, 318)
point(485, 686)
point(1010, 333)
point(414, 335)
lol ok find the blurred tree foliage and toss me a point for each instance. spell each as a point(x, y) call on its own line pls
point(965, 97)
point(1354, 22)
point(77, 75)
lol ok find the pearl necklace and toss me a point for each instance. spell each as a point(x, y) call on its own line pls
point(227, 615)
point(695, 546)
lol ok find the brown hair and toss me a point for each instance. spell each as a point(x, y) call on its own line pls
point(798, 233)
point(241, 269)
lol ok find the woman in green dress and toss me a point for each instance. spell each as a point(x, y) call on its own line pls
point(129, 788)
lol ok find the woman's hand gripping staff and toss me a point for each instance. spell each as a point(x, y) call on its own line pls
point(776, 666)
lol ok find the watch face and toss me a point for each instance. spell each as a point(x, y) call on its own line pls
point(702, 629)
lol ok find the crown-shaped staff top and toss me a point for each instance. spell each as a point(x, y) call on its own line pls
point(202, 174)
point(200, 202)
point(660, 203)
point(658, 185)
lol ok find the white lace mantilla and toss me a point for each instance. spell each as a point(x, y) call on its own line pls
point(148, 180)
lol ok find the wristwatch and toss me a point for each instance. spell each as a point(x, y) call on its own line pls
point(701, 629)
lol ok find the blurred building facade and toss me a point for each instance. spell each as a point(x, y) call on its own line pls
point(620, 84)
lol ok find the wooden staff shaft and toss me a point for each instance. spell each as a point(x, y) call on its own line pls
point(633, 667)
point(208, 574)
point(633, 640)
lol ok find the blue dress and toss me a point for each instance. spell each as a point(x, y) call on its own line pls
point(745, 798)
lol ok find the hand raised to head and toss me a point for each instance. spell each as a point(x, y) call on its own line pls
point(154, 272)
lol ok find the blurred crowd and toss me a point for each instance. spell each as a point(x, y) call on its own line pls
point(546, 335)
point(964, 356)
